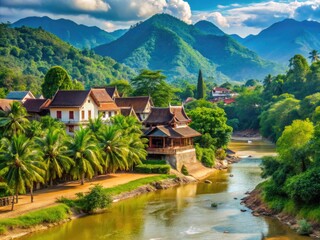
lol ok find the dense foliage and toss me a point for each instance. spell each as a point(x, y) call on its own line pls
point(27, 54)
point(41, 152)
point(180, 50)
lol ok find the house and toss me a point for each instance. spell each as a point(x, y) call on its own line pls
point(21, 96)
point(113, 92)
point(169, 135)
point(141, 105)
point(5, 104)
point(37, 108)
point(128, 111)
point(106, 106)
point(74, 108)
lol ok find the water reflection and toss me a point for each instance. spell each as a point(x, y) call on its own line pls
point(182, 213)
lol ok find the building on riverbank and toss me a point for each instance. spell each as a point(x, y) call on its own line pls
point(170, 137)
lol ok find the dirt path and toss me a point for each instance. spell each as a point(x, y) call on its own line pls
point(47, 197)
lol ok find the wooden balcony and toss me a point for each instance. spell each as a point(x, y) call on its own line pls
point(168, 150)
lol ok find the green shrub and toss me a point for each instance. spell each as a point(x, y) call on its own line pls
point(199, 152)
point(152, 168)
point(154, 162)
point(184, 170)
point(271, 190)
point(304, 227)
point(208, 158)
point(5, 190)
point(305, 187)
point(97, 198)
point(221, 154)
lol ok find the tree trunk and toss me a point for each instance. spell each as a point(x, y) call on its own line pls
point(17, 199)
point(31, 193)
point(51, 182)
point(82, 179)
point(12, 203)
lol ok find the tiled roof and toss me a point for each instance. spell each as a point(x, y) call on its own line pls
point(69, 98)
point(219, 89)
point(112, 91)
point(35, 105)
point(18, 95)
point(101, 95)
point(128, 111)
point(229, 100)
point(165, 116)
point(110, 106)
point(166, 131)
point(138, 103)
point(5, 104)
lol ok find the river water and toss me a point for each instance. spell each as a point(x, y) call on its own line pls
point(185, 212)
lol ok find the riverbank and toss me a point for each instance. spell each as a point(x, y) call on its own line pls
point(31, 222)
point(255, 202)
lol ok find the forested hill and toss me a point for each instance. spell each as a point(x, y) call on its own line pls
point(284, 39)
point(26, 54)
point(167, 43)
point(78, 35)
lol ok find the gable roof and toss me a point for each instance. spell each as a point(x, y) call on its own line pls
point(69, 98)
point(165, 116)
point(36, 105)
point(18, 95)
point(112, 91)
point(167, 131)
point(139, 104)
point(101, 95)
point(220, 89)
point(128, 111)
point(5, 104)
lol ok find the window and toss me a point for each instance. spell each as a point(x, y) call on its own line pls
point(59, 114)
point(89, 101)
point(82, 114)
point(89, 114)
point(71, 128)
point(71, 115)
point(104, 115)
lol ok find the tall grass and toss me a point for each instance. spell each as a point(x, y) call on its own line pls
point(47, 215)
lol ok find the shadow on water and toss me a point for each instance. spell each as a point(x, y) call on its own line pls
point(184, 212)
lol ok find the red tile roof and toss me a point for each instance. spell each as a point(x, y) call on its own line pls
point(101, 95)
point(229, 100)
point(219, 89)
point(5, 104)
point(128, 111)
point(167, 131)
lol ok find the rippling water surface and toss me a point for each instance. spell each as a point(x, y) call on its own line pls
point(184, 212)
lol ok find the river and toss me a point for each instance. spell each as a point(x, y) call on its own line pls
point(185, 212)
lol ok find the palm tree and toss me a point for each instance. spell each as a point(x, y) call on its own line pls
point(22, 165)
point(14, 120)
point(137, 149)
point(314, 56)
point(55, 153)
point(86, 155)
point(267, 81)
point(95, 125)
point(115, 148)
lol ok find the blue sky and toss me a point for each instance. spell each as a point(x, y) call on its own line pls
point(242, 17)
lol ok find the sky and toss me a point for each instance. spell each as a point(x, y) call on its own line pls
point(242, 17)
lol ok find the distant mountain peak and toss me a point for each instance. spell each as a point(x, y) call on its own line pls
point(209, 28)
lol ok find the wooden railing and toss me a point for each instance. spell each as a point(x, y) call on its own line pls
point(168, 150)
point(5, 201)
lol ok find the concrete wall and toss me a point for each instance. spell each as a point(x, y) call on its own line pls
point(182, 157)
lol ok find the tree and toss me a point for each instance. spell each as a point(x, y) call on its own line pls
point(314, 56)
point(212, 121)
point(85, 153)
point(200, 86)
point(123, 86)
point(54, 152)
point(115, 148)
point(56, 78)
point(13, 121)
point(292, 145)
point(153, 83)
point(22, 164)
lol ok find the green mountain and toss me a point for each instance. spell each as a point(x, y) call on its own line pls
point(26, 54)
point(180, 50)
point(209, 28)
point(80, 36)
point(282, 40)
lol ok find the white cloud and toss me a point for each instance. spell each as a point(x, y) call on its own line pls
point(215, 17)
point(179, 9)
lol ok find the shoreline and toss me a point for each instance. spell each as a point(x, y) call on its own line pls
point(254, 202)
point(17, 233)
